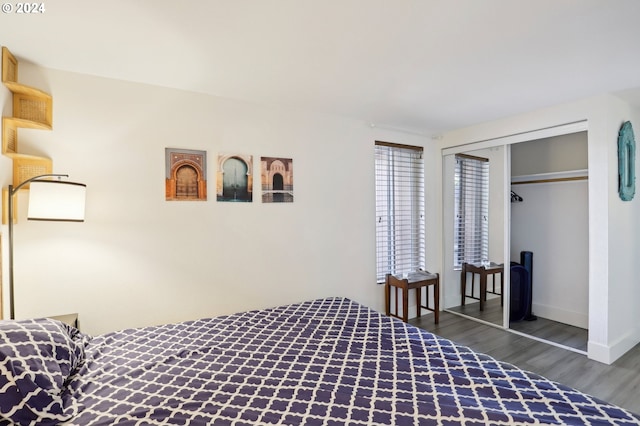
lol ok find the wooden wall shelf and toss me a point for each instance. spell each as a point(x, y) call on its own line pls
point(32, 109)
point(9, 67)
point(29, 103)
point(27, 166)
point(10, 126)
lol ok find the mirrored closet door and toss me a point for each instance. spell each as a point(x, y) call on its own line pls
point(473, 210)
point(536, 203)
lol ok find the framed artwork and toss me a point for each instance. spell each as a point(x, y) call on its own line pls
point(277, 179)
point(185, 175)
point(234, 181)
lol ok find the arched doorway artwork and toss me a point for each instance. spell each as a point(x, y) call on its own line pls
point(277, 179)
point(186, 182)
point(186, 172)
point(234, 186)
point(234, 178)
point(278, 186)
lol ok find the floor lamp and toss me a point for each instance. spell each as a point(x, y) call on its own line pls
point(50, 200)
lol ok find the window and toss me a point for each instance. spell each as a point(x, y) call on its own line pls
point(471, 239)
point(400, 234)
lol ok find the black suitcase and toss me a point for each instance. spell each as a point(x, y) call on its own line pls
point(520, 293)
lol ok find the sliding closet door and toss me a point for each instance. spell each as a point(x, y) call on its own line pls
point(515, 157)
point(477, 208)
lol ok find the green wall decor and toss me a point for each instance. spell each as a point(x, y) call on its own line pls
point(626, 162)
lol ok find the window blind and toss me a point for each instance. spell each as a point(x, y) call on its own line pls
point(471, 239)
point(400, 227)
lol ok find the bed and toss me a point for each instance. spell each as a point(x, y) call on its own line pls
point(324, 362)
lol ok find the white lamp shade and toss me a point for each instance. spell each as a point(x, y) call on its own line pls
point(56, 201)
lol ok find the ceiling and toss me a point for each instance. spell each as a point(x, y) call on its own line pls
point(425, 66)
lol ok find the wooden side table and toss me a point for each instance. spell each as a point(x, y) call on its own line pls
point(415, 280)
point(483, 271)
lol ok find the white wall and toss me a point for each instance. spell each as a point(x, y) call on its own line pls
point(552, 221)
point(624, 244)
point(614, 226)
point(140, 260)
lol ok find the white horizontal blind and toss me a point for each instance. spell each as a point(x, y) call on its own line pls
point(400, 227)
point(471, 239)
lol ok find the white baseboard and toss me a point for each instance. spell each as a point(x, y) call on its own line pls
point(609, 354)
point(577, 319)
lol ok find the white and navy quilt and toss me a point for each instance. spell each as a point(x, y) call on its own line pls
point(324, 362)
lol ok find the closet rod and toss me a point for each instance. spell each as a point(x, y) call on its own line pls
point(564, 179)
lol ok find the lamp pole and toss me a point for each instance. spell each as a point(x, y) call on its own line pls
point(12, 192)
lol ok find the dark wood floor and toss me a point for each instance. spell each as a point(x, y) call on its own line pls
point(563, 334)
point(618, 383)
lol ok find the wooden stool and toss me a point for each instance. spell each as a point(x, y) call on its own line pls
point(484, 271)
point(415, 280)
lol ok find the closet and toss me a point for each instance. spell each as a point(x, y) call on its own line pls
point(538, 202)
point(549, 217)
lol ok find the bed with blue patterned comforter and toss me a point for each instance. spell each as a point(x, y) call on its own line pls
point(324, 362)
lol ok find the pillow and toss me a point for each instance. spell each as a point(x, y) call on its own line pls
point(37, 357)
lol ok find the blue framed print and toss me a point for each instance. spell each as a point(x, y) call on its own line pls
point(626, 162)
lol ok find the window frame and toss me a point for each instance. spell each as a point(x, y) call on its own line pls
point(471, 210)
point(400, 209)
